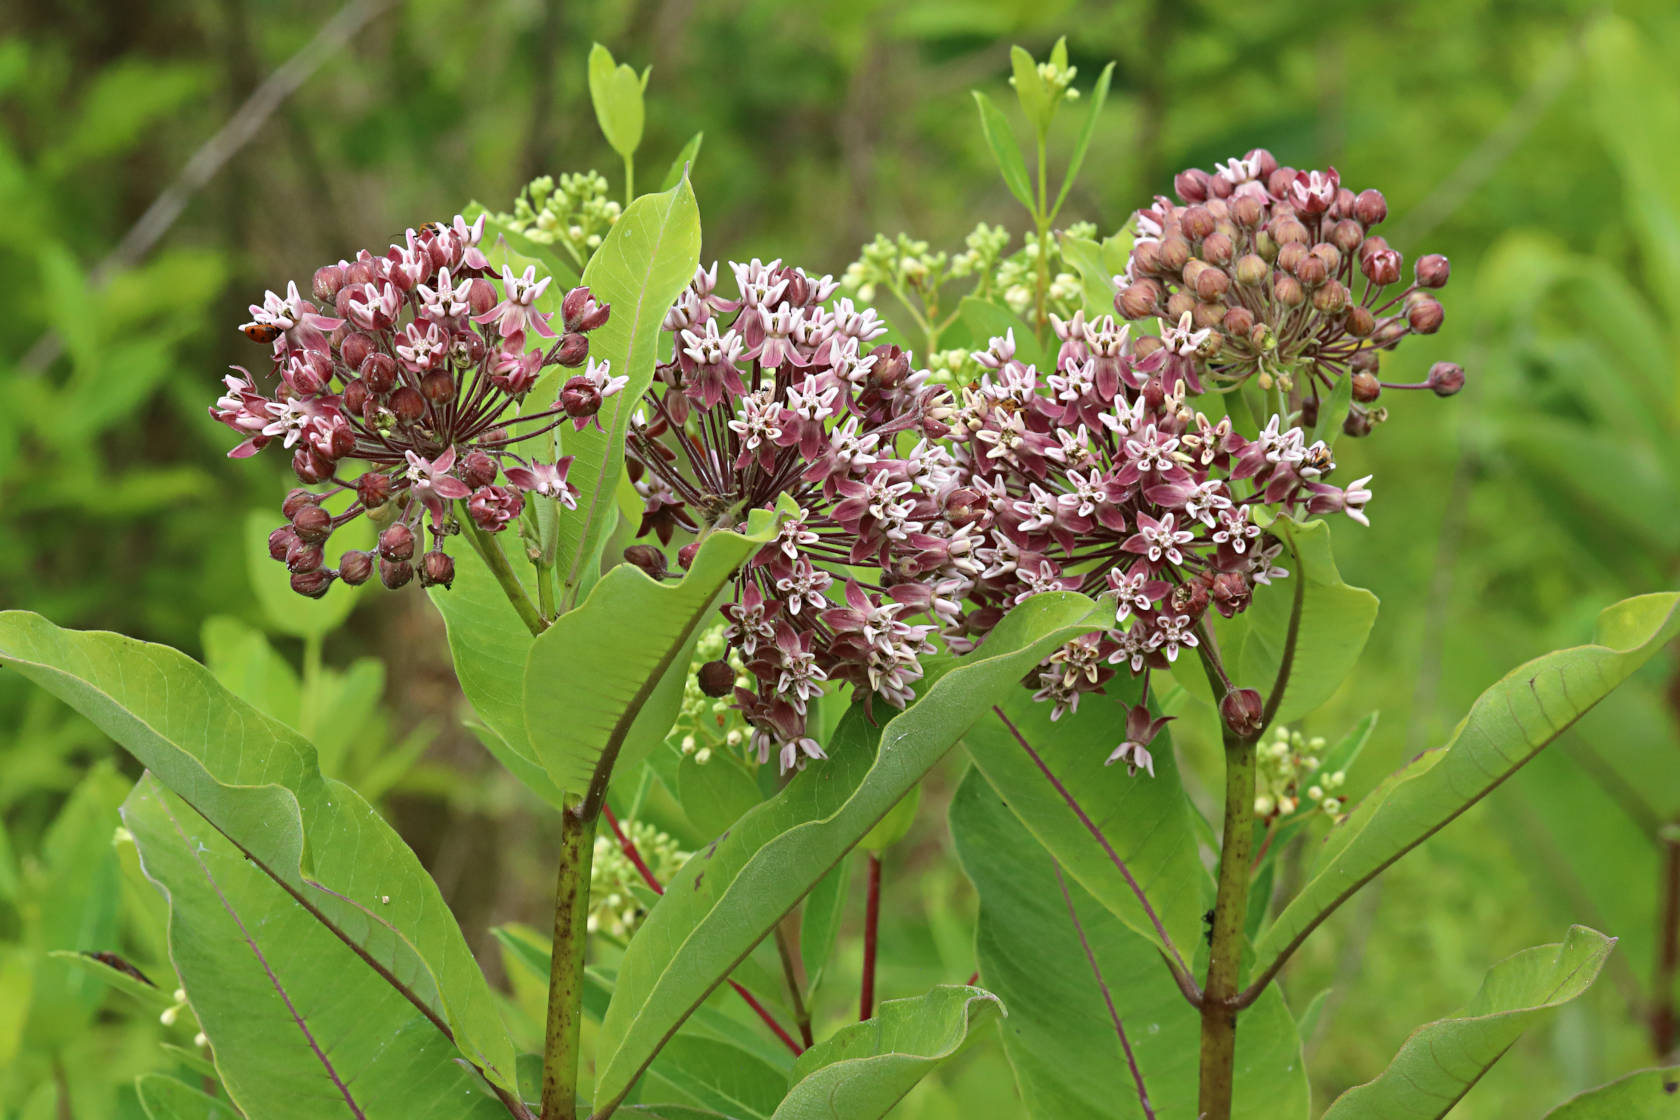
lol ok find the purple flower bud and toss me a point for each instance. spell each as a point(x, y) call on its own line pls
point(1370, 207)
point(437, 386)
point(1445, 378)
point(397, 542)
point(408, 404)
point(379, 371)
point(355, 396)
point(280, 542)
point(312, 524)
point(310, 465)
point(436, 568)
point(685, 555)
point(1360, 322)
point(716, 678)
point(1425, 315)
point(328, 280)
point(313, 583)
point(1191, 185)
point(301, 557)
point(1366, 387)
point(481, 296)
point(478, 469)
point(1196, 222)
point(395, 573)
point(1242, 711)
point(354, 568)
point(374, 489)
point(1251, 270)
point(1138, 300)
point(648, 559)
point(574, 351)
point(296, 500)
point(1433, 270)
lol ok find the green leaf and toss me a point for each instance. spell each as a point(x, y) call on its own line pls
point(721, 1075)
point(151, 995)
point(986, 320)
point(1336, 620)
point(247, 666)
point(893, 827)
point(1098, 96)
point(1001, 139)
point(862, 1070)
point(1508, 725)
point(1086, 256)
point(283, 609)
point(1650, 1094)
point(1332, 412)
point(257, 781)
point(488, 644)
point(683, 165)
point(715, 793)
point(298, 1026)
point(165, 1098)
point(1031, 91)
point(1442, 1060)
point(616, 91)
point(606, 680)
point(648, 256)
point(1147, 821)
point(1059, 1037)
point(819, 922)
point(729, 896)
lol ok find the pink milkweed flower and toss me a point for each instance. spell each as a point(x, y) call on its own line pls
point(433, 485)
point(547, 479)
point(516, 313)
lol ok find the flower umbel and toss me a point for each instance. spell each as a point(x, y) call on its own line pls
point(418, 379)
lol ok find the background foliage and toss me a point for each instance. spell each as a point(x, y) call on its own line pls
point(1503, 134)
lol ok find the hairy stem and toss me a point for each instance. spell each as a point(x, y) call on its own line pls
point(565, 973)
point(1230, 910)
point(793, 969)
point(871, 931)
point(496, 560)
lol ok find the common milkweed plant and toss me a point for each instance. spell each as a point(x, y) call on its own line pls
point(777, 543)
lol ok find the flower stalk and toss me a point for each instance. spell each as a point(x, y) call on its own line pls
point(565, 978)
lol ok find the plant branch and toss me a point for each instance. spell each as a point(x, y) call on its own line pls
point(562, 1041)
point(1230, 911)
point(793, 970)
point(496, 560)
point(1287, 662)
point(1108, 997)
point(871, 933)
point(1180, 970)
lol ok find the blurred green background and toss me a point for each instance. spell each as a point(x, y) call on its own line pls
point(1537, 144)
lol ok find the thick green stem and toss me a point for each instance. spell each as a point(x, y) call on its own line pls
point(1219, 995)
point(629, 180)
point(311, 684)
point(496, 560)
point(1042, 218)
point(561, 1048)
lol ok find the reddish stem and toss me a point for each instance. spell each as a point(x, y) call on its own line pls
point(871, 927)
point(1663, 1025)
point(628, 847)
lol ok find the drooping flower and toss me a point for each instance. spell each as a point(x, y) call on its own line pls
point(1275, 274)
point(408, 401)
point(774, 394)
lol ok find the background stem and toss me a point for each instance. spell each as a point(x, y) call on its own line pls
point(787, 947)
point(565, 974)
point(871, 930)
point(1219, 994)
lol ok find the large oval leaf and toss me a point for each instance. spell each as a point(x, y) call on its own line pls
point(646, 259)
point(862, 1070)
point(257, 781)
point(606, 680)
point(299, 1028)
point(1145, 820)
point(1059, 1036)
point(1442, 1060)
point(1507, 726)
point(728, 897)
point(1650, 1094)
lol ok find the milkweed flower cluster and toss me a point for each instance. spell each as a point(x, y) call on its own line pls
point(1099, 477)
point(616, 887)
point(1276, 274)
point(777, 391)
point(1289, 776)
point(404, 400)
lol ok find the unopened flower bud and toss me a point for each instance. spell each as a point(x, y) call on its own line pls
point(1370, 207)
point(891, 366)
point(1191, 185)
point(685, 555)
point(1291, 254)
point(1366, 388)
point(648, 559)
point(313, 583)
point(355, 396)
point(1237, 322)
point(1218, 249)
point(328, 280)
point(437, 386)
point(1287, 290)
point(395, 573)
point(310, 465)
point(436, 568)
point(478, 469)
point(379, 371)
point(280, 542)
point(1175, 252)
point(580, 398)
point(1242, 711)
point(397, 542)
point(716, 678)
point(354, 568)
point(1289, 231)
point(1310, 270)
point(481, 296)
point(1445, 378)
point(574, 350)
point(1211, 284)
point(1360, 322)
point(1331, 298)
point(1247, 211)
point(1205, 315)
point(1346, 235)
point(311, 523)
point(1146, 258)
point(1358, 423)
point(1138, 301)
point(1251, 270)
point(1425, 315)
point(408, 404)
point(296, 499)
point(1196, 222)
point(301, 557)
point(1432, 271)
point(1381, 267)
point(1180, 302)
